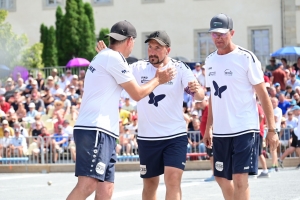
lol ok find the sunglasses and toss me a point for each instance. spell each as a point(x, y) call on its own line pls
point(217, 35)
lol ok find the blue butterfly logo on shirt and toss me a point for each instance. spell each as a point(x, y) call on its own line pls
point(155, 99)
point(219, 90)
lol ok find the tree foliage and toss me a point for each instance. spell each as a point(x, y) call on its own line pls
point(11, 44)
point(32, 57)
point(102, 34)
point(59, 33)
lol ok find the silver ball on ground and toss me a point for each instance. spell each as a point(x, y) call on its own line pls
point(49, 183)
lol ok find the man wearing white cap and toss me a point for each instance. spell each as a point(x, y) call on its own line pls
point(197, 70)
point(6, 126)
point(233, 74)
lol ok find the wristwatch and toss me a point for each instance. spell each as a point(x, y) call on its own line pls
point(272, 130)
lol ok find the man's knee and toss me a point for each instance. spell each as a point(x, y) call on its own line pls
point(86, 184)
point(151, 184)
point(240, 181)
point(172, 176)
point(104, 190)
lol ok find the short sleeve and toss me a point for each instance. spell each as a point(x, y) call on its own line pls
point(121, 72)
point(187, 74)
point(255, 73)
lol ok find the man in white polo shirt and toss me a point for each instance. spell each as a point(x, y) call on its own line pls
point(97, 126)
point(162, 137)
point(233, 74)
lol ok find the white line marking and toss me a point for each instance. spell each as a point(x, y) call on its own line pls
point(19, 177)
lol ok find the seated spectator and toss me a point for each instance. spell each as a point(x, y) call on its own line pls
point(125, 116)
point(40, 81)
point(79, 89)
point(66, 103)
point(23, 130)
point(59, 142)
point(39, 103)
point(289, 92)
point(14, 101)
point(18, 145)
point(75, 109)
point(6, 126)
point(31, 113)
point(21, 111)
point(4, 143)
point(126, 140)
point(278, 89)
point(63, 82)
point(12, 119)
point(291, 120)
point(4, 106)
point(37, 130)
point(194, 139)
point(2, 114)
point(28, 87)
point(10, 90)
point(68, 75)
point(20, 85)
point(293, 82)
point(43, 142)
point(48, 99)
point(128, 106)
point(58, 114)
point(72, 97)
point(297, 98)
point(56, 91)
point(67, 129)
point(285, 137)
point(283, 104)
point(50, 83)
point(54, 75)
point(81, 75)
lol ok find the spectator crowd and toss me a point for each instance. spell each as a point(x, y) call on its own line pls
point(38, 114)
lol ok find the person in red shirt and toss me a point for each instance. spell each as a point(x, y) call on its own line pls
point(204, 108)
point(4, 105)
point(265, 172)
point(279, 76)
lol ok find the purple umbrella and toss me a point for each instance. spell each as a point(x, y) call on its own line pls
point(78, 62)
point(23, 72)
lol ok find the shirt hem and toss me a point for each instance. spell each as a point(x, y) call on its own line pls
point(162, 138)
point(236, 134)
point(96, 129)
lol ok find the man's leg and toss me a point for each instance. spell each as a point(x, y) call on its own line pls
point(226, 187)
point(274, 159)
point(85, 187)
point(241, 186)
point(287, 152)
point(149, 188)
point(104, 191)
point(211, 160)
point(263, 162)
point(173, 180)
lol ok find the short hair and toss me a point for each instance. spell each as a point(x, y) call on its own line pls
point(113, 41)
point(288, 87)
point(285, 60)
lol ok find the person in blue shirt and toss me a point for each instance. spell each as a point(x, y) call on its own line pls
point(283, 104)
point(59, 142)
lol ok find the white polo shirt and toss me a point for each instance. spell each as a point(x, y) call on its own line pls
point(102, 90)
point(231, 78)
point(160, 113)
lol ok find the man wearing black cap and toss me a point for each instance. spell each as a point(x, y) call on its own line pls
point(162, 137)
point(97, 127)
point(232, 75)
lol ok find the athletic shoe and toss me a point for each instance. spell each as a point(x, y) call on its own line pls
point(298, 167)
point(273, 168)
point(212, 178)
point(280, 162)
point(263, 175)
point(276, 168)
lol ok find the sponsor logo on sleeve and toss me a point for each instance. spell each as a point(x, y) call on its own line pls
point(212, 74)
point(227, 72)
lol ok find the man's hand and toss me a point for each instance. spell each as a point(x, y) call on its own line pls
point(207, 139)
point(165, 75)
point(100, 46)
point(194, 86)
point(272, 140)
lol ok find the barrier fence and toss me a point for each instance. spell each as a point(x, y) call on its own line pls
point(61, 149)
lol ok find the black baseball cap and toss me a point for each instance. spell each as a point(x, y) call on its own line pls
point(221, 23)
point(122, 30)
point(161, 37)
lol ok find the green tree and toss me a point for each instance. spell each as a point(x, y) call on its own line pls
point(87, 43)
point(32, 57)
point(102, 34)
point(43, 40)
point(70, 39)
point(11, 44)
point(90, 14)
point(59, 35)
point(50, 49)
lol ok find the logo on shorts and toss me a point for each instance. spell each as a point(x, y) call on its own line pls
point(143, 169)
point(219, 166)
point(246, 167)
point(183, 163)
point(100, 168)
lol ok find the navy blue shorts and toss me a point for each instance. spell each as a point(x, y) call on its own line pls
point(155, 155)
point(236, 155)
point(95, 155)
point(260, 145)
